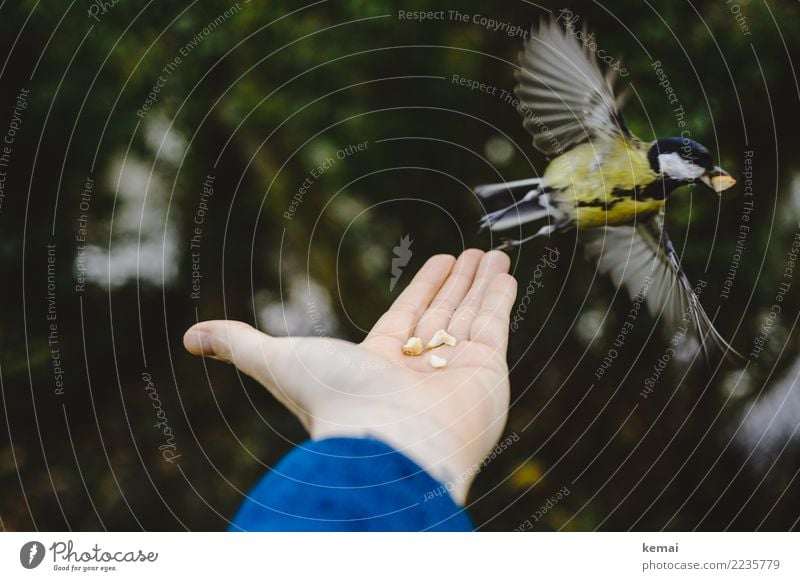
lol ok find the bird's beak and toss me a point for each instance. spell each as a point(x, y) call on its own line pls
point(717, 179)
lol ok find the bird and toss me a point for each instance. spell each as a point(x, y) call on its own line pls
point(602, 180)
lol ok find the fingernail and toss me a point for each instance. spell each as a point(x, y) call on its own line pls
point(199, 342)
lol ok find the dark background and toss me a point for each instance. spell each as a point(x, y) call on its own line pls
point(261, 100)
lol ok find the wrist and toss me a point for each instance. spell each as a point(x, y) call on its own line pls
point(444, 457)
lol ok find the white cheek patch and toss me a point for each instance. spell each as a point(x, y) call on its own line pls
point(674, 166)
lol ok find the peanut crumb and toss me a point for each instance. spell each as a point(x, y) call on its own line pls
point(413, 346)
point(441, 337)
point(438, 362)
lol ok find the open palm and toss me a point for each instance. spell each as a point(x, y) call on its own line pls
point(446, 419)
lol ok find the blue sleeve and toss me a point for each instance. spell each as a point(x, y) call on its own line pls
point(349, 484)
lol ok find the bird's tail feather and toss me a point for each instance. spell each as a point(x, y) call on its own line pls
point(516, 189)
point(529, 203)
point(514, 215)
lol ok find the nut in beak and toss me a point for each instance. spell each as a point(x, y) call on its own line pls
point(717, 179)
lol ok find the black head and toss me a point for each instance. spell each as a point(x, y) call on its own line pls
point(680, 158)
point(682, 161)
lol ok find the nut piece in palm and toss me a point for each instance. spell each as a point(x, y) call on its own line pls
point(438, 362)
point(441, 337)
point(413, 346)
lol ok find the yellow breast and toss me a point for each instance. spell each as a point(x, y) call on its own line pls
point(595, 183)
point(619, 212)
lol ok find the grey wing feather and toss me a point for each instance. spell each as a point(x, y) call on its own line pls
point(642, 259)
point(564, 97)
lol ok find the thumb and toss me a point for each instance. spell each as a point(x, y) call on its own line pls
point(251, 351)
point(254, 353)
point(231, 341)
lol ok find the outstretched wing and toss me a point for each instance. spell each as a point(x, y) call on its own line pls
point(564, 97)
point(642, 259)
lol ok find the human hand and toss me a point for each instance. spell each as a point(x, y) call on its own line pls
point(447, 420)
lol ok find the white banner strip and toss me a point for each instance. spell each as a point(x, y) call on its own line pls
point(356, 556)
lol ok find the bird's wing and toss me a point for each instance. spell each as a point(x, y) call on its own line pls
point(642, 259)
point(564, 97)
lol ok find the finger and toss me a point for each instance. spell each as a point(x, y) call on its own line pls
point(441, 309)
point(230, 341)
point(401, 318)
point(264, 358)
point(492, 265)
point(490, 327)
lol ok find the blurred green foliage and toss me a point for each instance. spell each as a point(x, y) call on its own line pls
point(259, 102)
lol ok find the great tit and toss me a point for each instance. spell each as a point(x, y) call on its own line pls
point(603, 180)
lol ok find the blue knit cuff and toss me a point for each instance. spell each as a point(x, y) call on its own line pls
point(349, 484)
